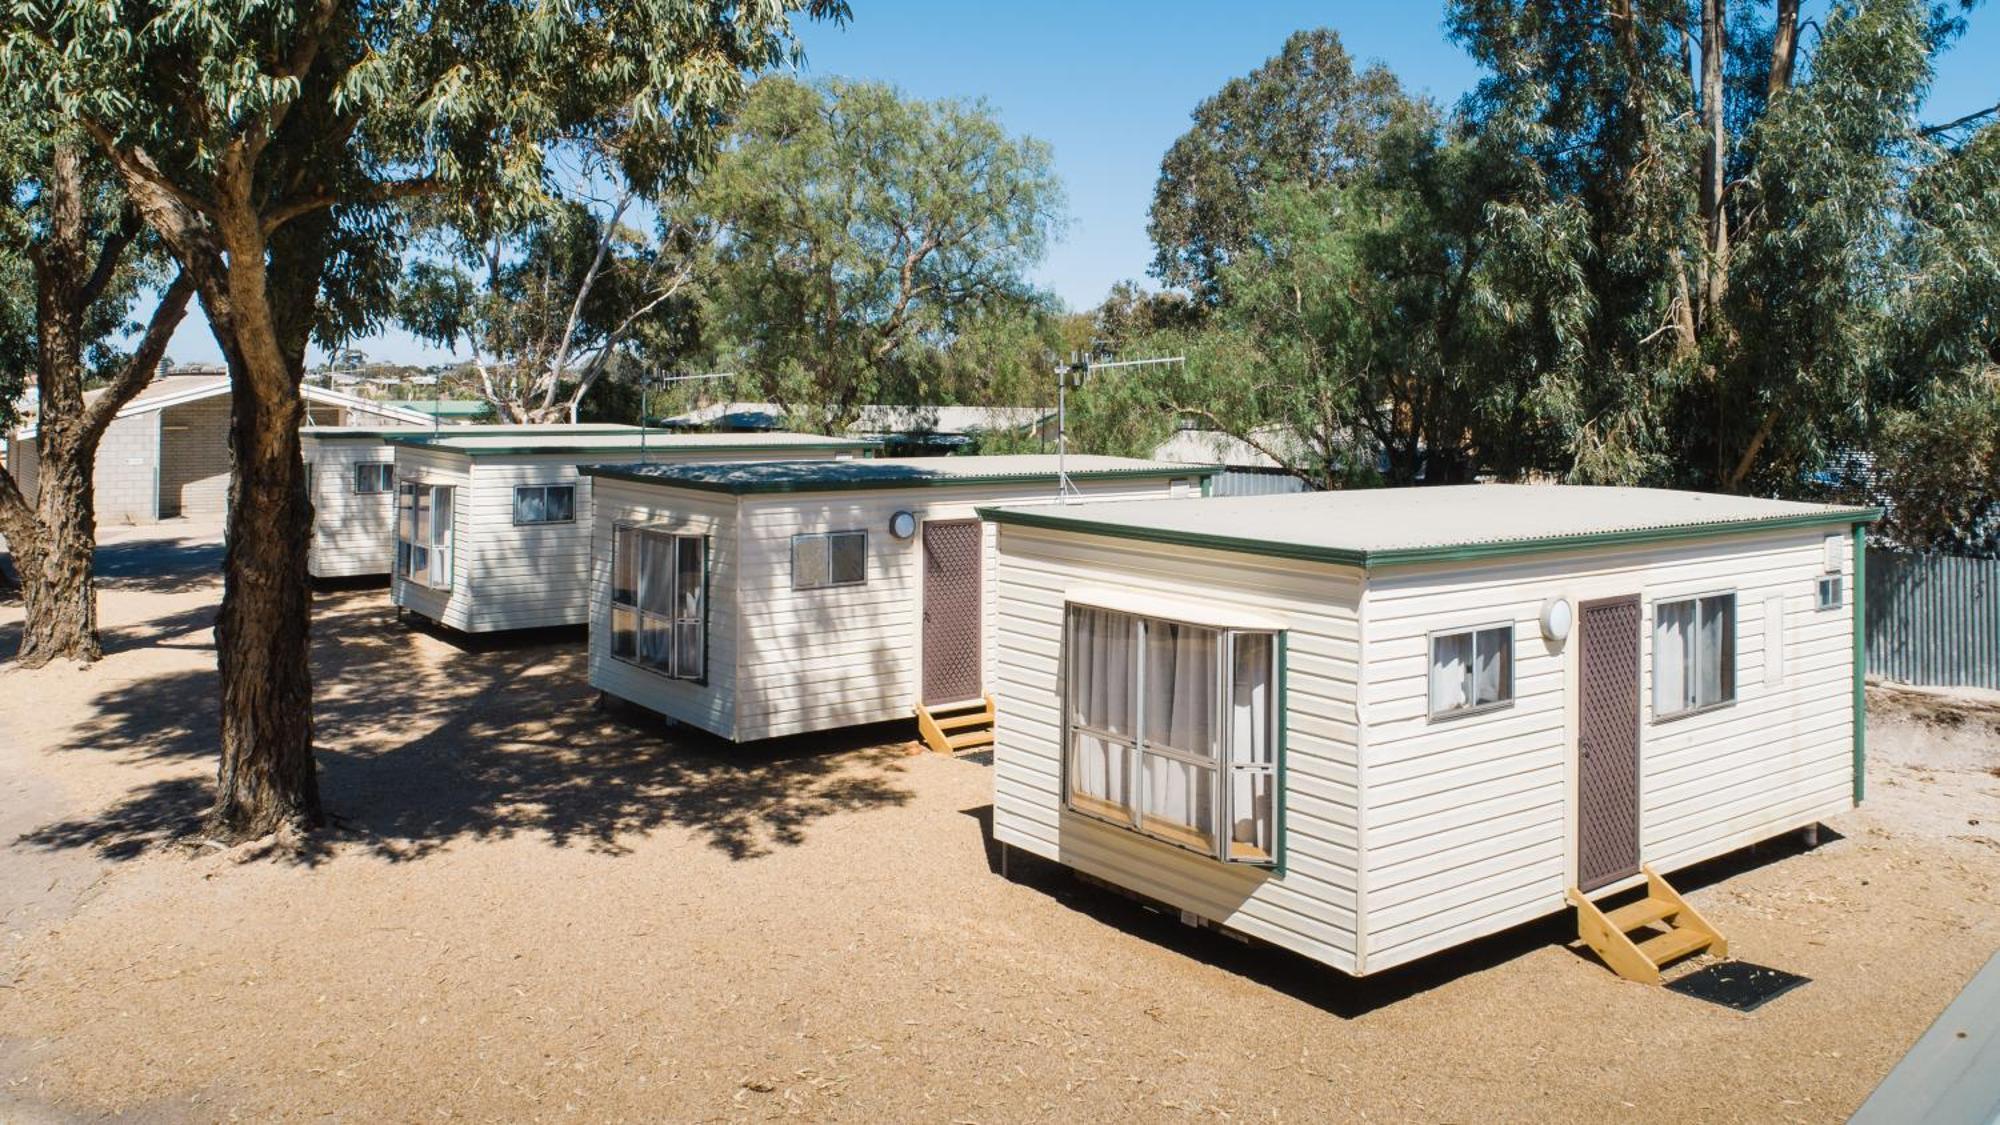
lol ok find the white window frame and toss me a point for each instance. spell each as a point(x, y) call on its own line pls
point(825, 581)
point(1835, 582)
point(544, 489)
point(1690, 658)
point(1221, 766)
point(1500, 703)
point(437, 542)
point(381, 474)
point(678, 618)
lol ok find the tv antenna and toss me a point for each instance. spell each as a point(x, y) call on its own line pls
point(1076, 372)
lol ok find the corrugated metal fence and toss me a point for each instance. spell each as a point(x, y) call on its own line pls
point(1933, 619)
point(1241, 482)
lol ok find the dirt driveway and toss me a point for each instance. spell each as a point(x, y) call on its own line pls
point(535, 909)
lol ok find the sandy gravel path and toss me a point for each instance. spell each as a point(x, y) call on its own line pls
point(536, 909)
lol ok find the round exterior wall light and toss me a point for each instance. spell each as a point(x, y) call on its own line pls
point(1557, 617)
point(902, 525)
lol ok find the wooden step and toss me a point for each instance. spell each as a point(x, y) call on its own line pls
point(969, 739)
point(1609, 932)
point(977, 718)
point(953, 727)
point(1642, 913)
point(1674, 945)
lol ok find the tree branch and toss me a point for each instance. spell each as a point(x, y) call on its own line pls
point(145, 359)
point(1935, 130)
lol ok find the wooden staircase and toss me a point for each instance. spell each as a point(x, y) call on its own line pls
point(1636, 939)
point(956, 728)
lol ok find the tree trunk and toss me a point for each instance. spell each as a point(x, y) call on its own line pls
point(1784, 47)
point(1714, 158)
point(54, 554)
point(267, 779)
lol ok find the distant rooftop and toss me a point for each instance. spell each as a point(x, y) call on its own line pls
point(742, 478)
point(1372, 527)
point(467, 429)
point(877, 420)
point(527, 439)
point(446, 407)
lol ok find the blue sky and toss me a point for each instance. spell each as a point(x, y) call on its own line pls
point(1109, 87)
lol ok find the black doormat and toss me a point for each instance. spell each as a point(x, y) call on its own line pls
point(977, 757)
point(1737, 984)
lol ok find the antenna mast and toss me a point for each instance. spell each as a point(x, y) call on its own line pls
point(1079, 369)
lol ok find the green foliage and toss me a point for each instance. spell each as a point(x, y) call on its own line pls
point(856, 222)
point(1305, 117)
point(1938, 471)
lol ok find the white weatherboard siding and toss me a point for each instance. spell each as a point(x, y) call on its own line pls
point(710, 706)
point(1311, 907)
point(1470, 822)
point(847, 655)
point(430, 466)
point(529, 576)
point(353, 533)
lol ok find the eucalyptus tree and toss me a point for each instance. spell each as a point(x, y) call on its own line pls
point(854, 222)
point(74, 262)
point(1305, 118)
point(553, 300)
point(1744, 188)
point(266, 143)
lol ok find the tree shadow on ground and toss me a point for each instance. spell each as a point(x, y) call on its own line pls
point(1321, 986)
point(424, 743)
point(159, 566)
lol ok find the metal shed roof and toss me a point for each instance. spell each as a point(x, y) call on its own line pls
point(455, 430)
point(635, 441)
point(1377, 527)
point(753, 477)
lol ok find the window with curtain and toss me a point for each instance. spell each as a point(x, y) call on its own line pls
point(1694, 654)
point(838, 558)
point(544, 503)
point(423, 534)
point(1471, 670)
point(1171, 730)
point(659, 585)
point(374, 477)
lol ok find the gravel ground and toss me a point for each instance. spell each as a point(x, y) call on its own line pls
point(533, 908)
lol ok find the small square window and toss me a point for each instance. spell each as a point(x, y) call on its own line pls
point(837, 558)
point(374, 478)
point(1471, 671)
point(1830, 593)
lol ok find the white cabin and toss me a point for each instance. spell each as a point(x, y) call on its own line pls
point(492, 531)
point(350, 475)
point(1367, 726)
point(755, 601)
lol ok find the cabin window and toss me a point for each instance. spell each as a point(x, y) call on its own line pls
point(1172, 730)
point(423, 534)
point(544, 503)
point(1471, 670)
point(659, 592)
point(1694, 655)
point(838, 558)
point(1830, 594)
point(374, 478)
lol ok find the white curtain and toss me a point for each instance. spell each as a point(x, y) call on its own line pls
point(1252, 751)
point(1673, 626)
point(1490, 672)
point(1451, 673)
point(1180, 691)
point(1100, 696)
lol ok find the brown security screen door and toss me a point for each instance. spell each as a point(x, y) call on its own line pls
point(1607, 767)
point(951, 611)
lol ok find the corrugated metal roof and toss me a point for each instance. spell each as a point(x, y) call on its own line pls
point(525, 440)
point(455, 430)
point(1386, 525)
point(176, 390)
point(889, 472)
